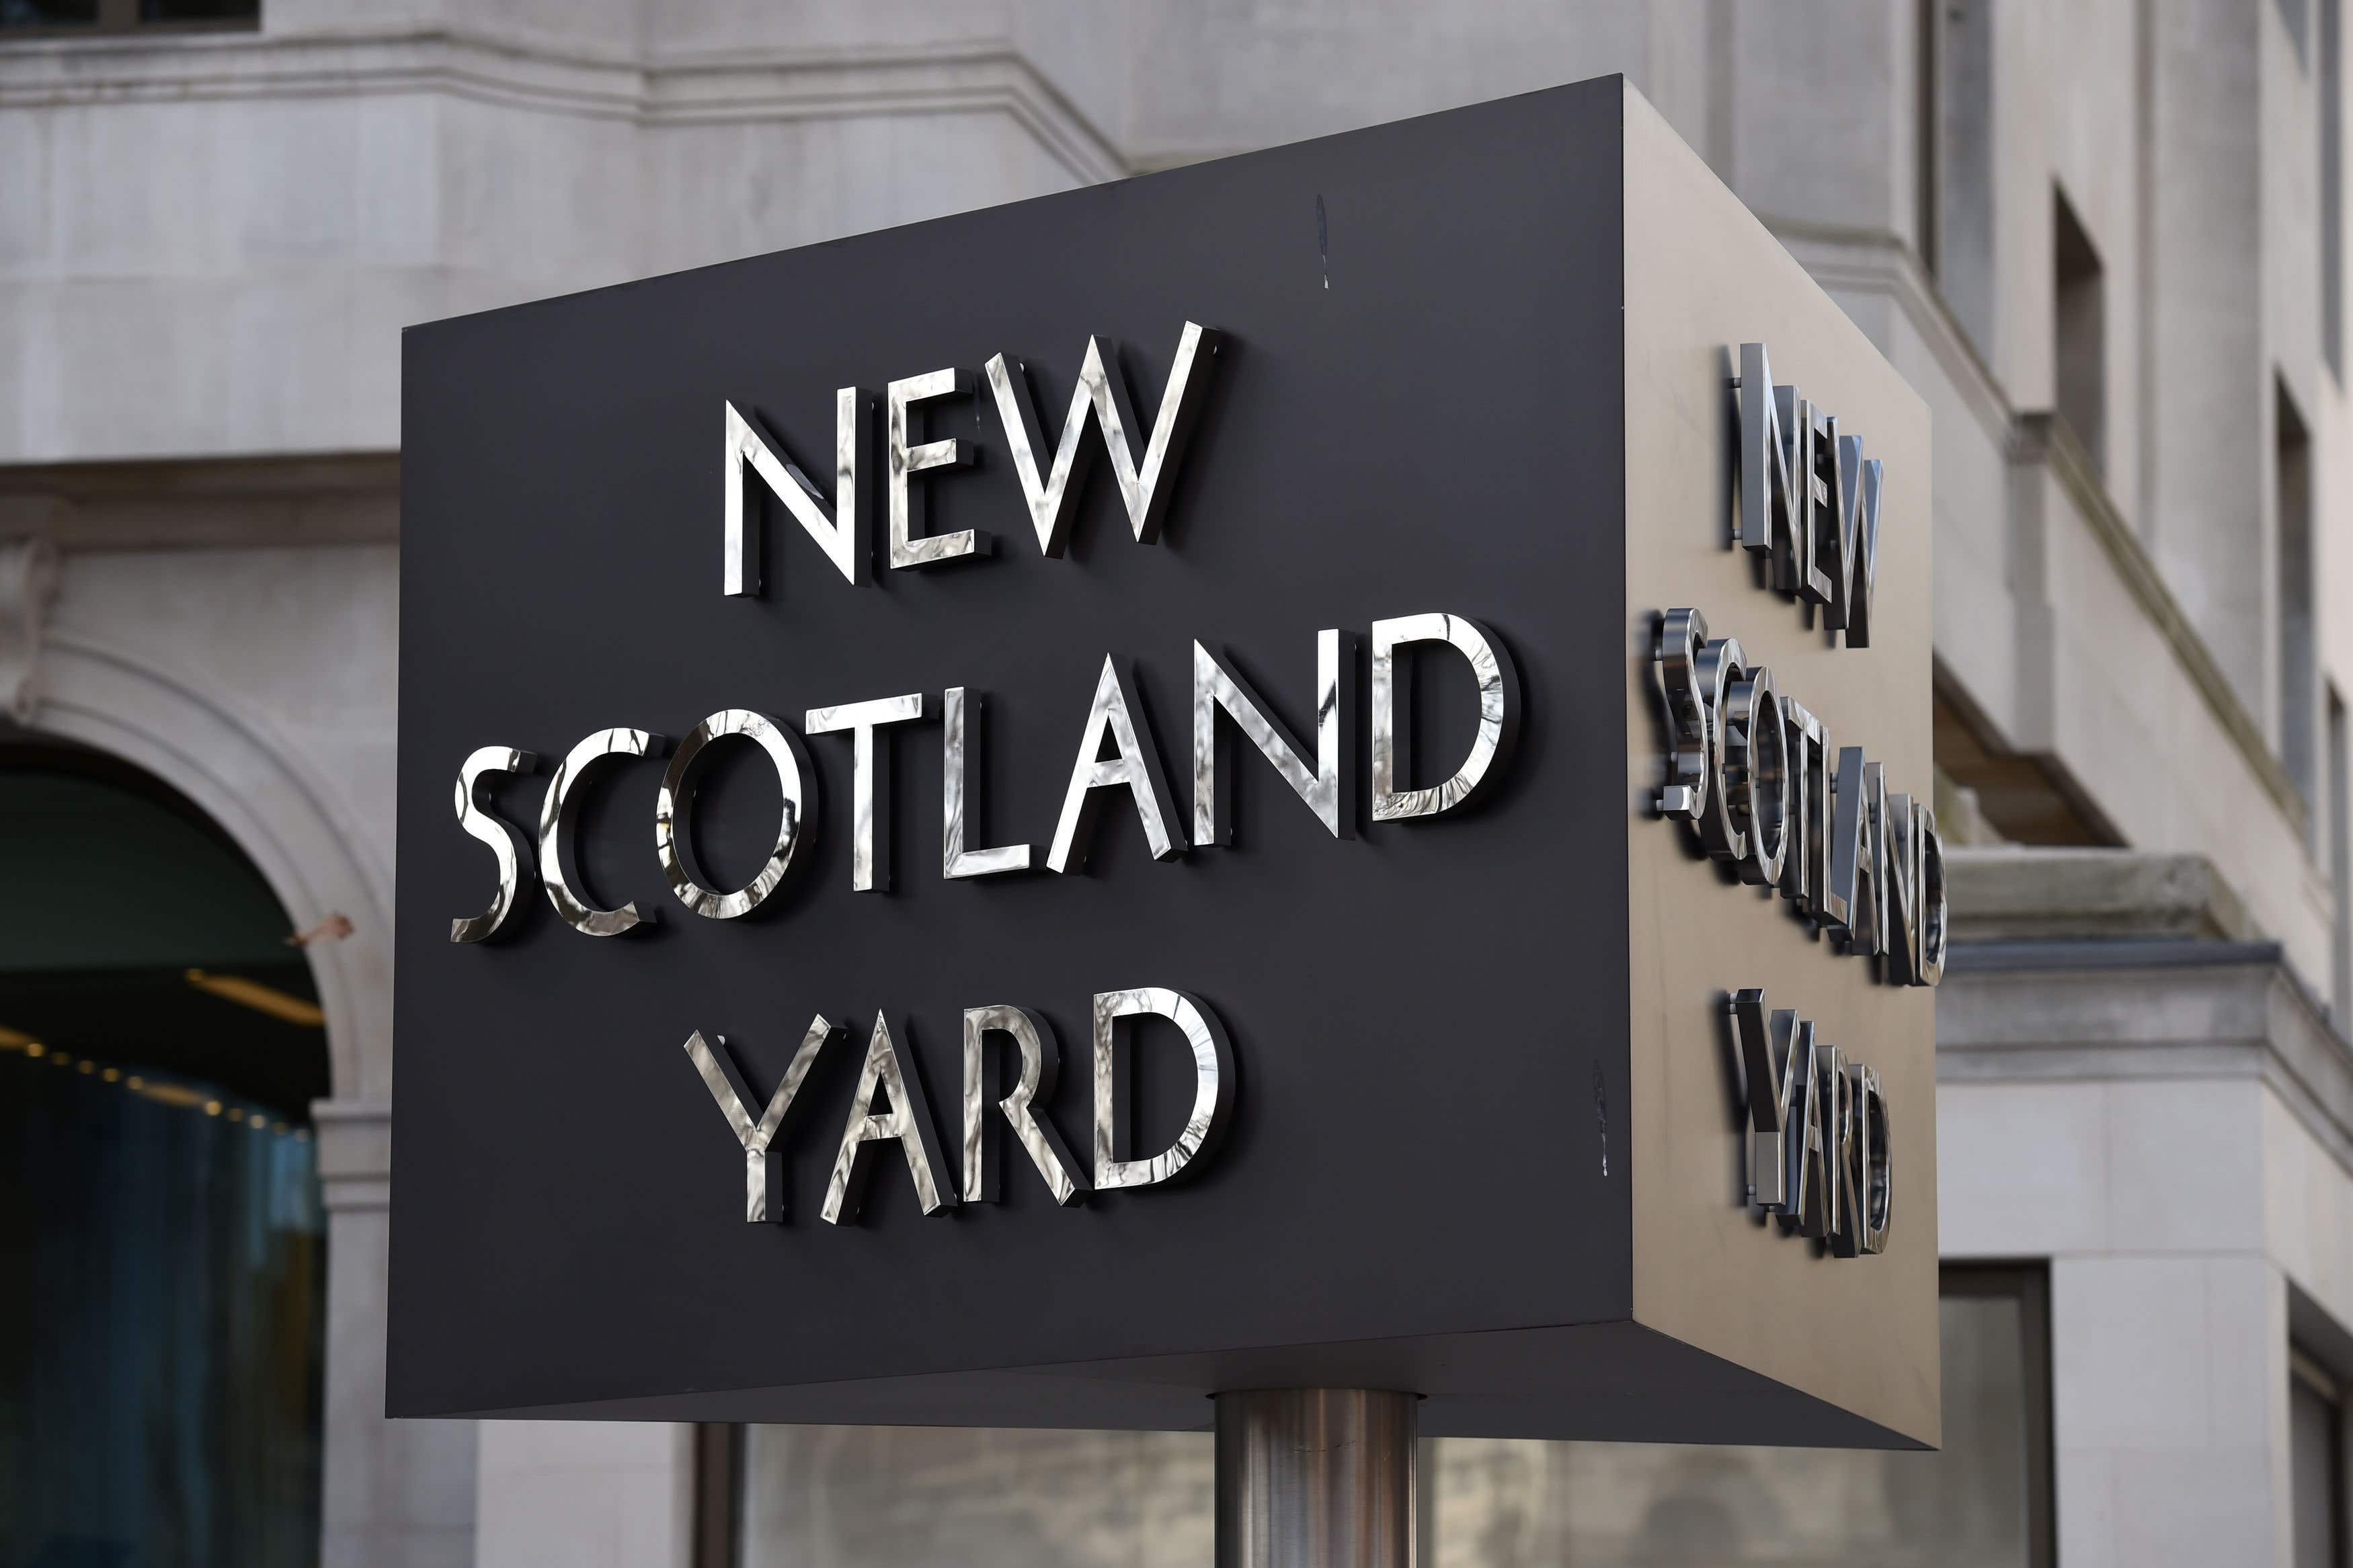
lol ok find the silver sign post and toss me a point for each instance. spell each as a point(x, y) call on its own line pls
point(1315, 1478)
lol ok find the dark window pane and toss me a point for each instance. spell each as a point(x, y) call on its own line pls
point(47, 13)
point(879, 1497)
point(2312, 1476)
point(197, 10)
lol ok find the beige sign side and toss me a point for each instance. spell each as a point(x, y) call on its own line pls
point(1711, 1268)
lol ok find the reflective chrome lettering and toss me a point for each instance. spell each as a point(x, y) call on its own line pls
point(1934, 931)
point(763, 1196)
point(906, 1119)
point(962, 764)
point(841, 535)
point(672, 836)
point(1392, 747)
point(1758, 764)
point(1801, 741)
point(1859, 852)
point(1854, 577)
point(1806, 1204)
point(1844, 1224)
point(1213, 1085)
point(1877, 1196)
point(869, 779)
point(1902, 840)
point(1809, 499)
point(1143, 487)
point(506, 840)
point(1691, 718)
point(556, 815)
point(1324, 786)
point(909, 547)
point(1039, 1060)
point(1720, 664)
point(1113, 716)
point(1772, 1062)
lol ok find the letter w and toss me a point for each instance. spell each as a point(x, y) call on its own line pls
point(1104, 391)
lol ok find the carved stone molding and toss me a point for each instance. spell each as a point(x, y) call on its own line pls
point(28, 585)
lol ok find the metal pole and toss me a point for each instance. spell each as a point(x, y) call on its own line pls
point(1315, 1478)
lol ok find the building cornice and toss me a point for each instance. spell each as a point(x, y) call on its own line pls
point(2104, 1011)
point(525, 71)
point(332, 498)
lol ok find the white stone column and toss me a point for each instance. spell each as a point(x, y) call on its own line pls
point(397, 1494)
point(2169, 1406)
point(586, 1494)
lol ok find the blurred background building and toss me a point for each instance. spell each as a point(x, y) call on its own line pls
point(2103, 238)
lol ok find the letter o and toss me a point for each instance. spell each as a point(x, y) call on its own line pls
point(670, 831)
point(1757, 759)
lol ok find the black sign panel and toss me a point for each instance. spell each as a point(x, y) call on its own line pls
point(1423, 1173)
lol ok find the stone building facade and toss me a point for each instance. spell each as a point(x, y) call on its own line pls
point(2102, 238)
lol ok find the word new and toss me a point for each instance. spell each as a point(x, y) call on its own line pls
point(890, 1108)
point(1048, 483)
point(1818, 1127)
point(1809, 501)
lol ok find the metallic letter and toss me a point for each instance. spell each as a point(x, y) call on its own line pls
point(1325, 786)
point(908, 548)
point(671, 833)
point(556, 814)
point(1877, 1197)
point(1103, 389)
point(960, 795)
point(869, 779)
point(1041, 1062)
point(1903, 841)
point(1136, 769)
point(1845, 1232)
point(1757, 761)
point(1691, 718)
point(1806, 1200)
point(907, 1122)
point(1720, 664)
point(840, 536)
point(1780, 485)
point(1499, 717)
point(1213, 1085)
point(764, 1197)
point(1858, 853)
point(1854, 574)
point(506, 840)
point(1824, 901)
point(1933, 929)
point(1774, 1093)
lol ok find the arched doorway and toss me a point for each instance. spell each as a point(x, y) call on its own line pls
point(161, 1045)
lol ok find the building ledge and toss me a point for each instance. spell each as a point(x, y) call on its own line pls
point(2008, 895)
point(2144, 1008)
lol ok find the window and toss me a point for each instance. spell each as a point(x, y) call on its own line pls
point(2316, 1435)
point(1954, 183)
point(66, 18)
point(853, 1497)
point(2079, 358)
point(2292, 16)
point(2332, 194)
point(2340, 861)
point(2299, 711)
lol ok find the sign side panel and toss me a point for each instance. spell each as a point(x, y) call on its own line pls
point(1703, 277)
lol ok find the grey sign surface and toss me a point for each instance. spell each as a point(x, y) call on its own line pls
point(1423, 1075)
